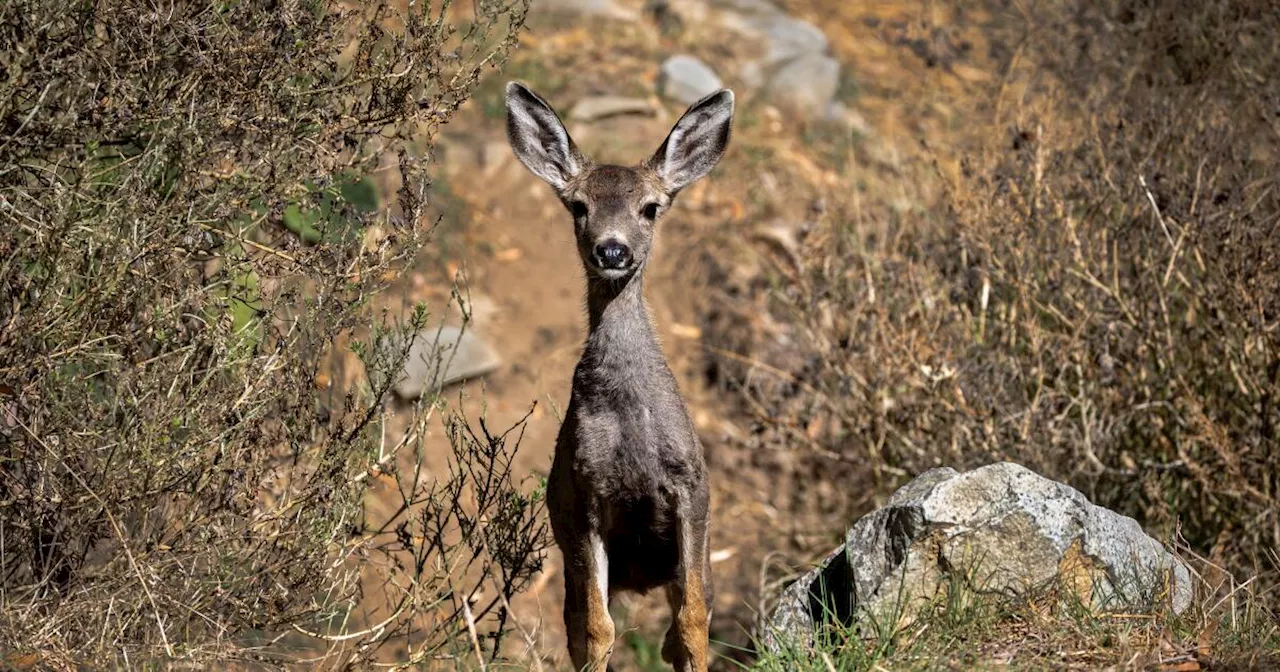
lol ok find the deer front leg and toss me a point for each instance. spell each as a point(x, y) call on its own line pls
point(690, 595)
point(586, 605)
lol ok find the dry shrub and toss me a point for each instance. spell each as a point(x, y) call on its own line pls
point(1096, 297)
point(1130, 245)
point(187, 224)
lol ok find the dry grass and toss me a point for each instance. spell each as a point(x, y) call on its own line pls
point(188, 223)
point(1085, 281)
point(966, 629)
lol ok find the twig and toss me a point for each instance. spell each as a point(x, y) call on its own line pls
point(1156, 208)
point(382, 462)
point(471, 630)
point(1177, 248)
point(30, 115)
point(374, 630)
point(502, 594)
point(115, 526)
point(245, 241)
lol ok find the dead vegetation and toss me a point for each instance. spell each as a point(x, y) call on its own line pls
point(188, 223)
point(965, 628)
point(1077, 270)
point(1092, 289)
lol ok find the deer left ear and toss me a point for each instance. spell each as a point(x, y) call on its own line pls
point(696, 143)
point(539, 138)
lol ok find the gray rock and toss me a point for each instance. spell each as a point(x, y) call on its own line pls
point(1001, 529)
point(748, 6)
point(444, 356)
point(604, 8)
point(686, 79)
point(782, 38)
point(787, 38)
point(592, 108)
point(805, 86)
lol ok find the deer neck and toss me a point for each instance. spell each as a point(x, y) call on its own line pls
point(618, 318)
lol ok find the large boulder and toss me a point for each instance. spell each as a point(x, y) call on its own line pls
point(1000, 529)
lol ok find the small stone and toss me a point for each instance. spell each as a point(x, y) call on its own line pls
point(442, 356)
point(593, 108)
point(782, 37)
point(603, 8)
point(686, 79)
point(806, 85)
point(748, 6)
point(787, 38)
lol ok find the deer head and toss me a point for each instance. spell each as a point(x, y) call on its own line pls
point(615, 209)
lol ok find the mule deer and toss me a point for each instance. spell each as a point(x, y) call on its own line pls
point(627, 493)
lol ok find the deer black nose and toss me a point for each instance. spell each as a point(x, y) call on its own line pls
point(612, 254)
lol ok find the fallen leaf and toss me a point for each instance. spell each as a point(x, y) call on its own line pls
point(736, 210)
point(509, 254)
point(720, 555)
point(816, 427)
point(686, 331)
point(969, 73)
point(1204, 643)
point(25, 661)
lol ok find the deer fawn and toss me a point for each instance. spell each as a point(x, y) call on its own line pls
point(627, 493)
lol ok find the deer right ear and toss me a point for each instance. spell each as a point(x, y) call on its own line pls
point(696, 143)
point(539, 139)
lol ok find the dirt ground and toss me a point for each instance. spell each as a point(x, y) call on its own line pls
point(912, 71)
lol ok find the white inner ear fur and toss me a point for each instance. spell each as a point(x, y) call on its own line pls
point(697, 142)
point(539, 138)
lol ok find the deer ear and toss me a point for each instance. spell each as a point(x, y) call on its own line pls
point(539, 139)
point(696, 143)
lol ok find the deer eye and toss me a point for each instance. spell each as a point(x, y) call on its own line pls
point(649, 211)
point(579, 209)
